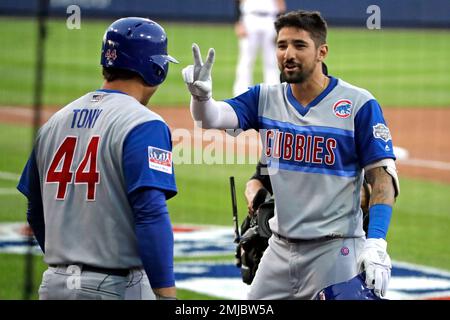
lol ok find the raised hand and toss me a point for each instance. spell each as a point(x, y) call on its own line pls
point(198, 76)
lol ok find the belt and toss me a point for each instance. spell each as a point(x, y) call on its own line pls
point(305, 241)
point(85, 267)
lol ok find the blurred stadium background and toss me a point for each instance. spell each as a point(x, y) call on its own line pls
point(404, 64)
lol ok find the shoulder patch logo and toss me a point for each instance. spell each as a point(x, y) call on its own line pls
point(342, 108)
point(160, 159)
point(380, 131)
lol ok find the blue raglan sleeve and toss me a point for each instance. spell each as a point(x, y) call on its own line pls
point(147, 158)
point(372, 136)
point(150, 181)
point(29, 185)
point(246, 108)
point(154, 235)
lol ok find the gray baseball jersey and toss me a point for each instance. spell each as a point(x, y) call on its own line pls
point(80, 155)
point(316, 154)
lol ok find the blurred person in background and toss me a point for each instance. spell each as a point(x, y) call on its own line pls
point(255, 31)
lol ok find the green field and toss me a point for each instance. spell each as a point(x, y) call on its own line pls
point(402, 68)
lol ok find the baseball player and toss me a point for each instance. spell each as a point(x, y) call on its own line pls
point(255, 229)
point(99, 176)
point(254, 29)
point(319, 133)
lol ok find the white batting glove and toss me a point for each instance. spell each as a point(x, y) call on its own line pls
point(198, 76)
point(375, 261)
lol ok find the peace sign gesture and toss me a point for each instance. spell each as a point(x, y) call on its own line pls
point(198, 76)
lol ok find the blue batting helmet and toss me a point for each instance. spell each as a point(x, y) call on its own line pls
point(139, 45)
point(353, 289)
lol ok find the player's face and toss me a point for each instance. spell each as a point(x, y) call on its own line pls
point(297, 54)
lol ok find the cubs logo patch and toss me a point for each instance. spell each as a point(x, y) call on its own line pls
point(160, 159)
point(342, 108)
point(380, 131)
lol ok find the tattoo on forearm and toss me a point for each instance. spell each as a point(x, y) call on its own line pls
point(383, 191)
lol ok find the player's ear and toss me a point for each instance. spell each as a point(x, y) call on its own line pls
point(322, 52)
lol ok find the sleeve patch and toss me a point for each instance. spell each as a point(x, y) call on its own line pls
point(160, 159)
point(380, 131)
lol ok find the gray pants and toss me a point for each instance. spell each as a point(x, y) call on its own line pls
point(69, 283)
point(301, 270)
point(138, 287)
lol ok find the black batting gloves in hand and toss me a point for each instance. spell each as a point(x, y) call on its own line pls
point(375, 261)
point(198, 76)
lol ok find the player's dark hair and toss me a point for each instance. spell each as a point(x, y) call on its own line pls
point(310, 21)
point(112, 74)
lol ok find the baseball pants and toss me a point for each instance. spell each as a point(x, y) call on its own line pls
point(260, 37)
point(302, 270)
point(62, 283)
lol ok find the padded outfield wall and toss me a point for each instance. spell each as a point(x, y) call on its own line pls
point(399, 13)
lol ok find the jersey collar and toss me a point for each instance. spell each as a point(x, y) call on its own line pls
point(304, 110)
point(111, 91)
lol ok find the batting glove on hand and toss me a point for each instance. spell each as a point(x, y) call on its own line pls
point(377, 264)
point(198, 76)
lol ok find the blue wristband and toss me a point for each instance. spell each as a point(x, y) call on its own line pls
point(379, 219)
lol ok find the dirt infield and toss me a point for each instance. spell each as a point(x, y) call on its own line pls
point(424, 133)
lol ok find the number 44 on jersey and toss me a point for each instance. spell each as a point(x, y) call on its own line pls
point(86, 173)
